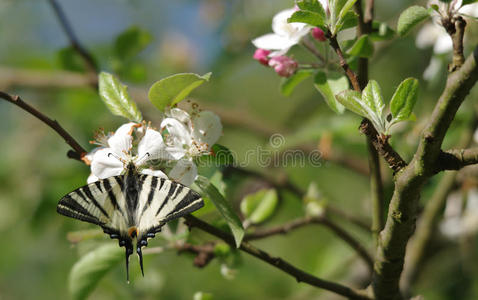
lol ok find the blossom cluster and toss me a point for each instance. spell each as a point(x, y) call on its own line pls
point(273, 47)
point(171, 149)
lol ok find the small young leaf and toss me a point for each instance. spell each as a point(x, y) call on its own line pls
point(116, 97)
point(171, 90)
point(465, 2)
point(372, 97)
point(381, 32)
point(352, 101)
point(348, 21)
point(308, 17)
point(363, 47)
point(289, 84)
point(345, 9)
point(404, 99)
point(223, 206)
point(312, 5)
point(259, 206)
point(330, 85)
point(411, 17)
point(87, 272)
point(130, 42)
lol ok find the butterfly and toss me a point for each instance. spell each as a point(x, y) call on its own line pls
point(130, 207)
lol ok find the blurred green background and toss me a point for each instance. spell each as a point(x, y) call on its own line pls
point(192, 36)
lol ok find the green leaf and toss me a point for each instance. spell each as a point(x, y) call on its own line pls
point(312, 5)
point(69, 59)
point(308, 17)
point(363, 47)
point(411, 17)
point(352, 101)
point(372, 97)
point(330, 85)
point(350, 20)
point(171, 90)
point(223, 206)
point(289, 84)
point(259, 206)
point(87, 272)
point(381, 32)
point(116, 97)
point(465, 2)
point(403, 100)
point(131, 42)
point(221, 156)
point(345, 9)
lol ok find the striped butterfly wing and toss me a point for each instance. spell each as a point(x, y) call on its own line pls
point(101, 203)
point(161, 200)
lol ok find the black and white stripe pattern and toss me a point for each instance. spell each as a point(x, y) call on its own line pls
point(104, 203)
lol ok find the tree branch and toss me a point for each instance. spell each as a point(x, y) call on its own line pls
point(78, 152)
point(322, 220)
point(286, 184)
point(456, 159)
point(430, 217)
point(343, 63)
point(409, 182)
point(279, 263)
point(85, 55)
point(455, 26)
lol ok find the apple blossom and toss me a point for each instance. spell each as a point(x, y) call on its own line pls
point(261, 55)
point(189, 136)
point(284, 36)
point(117, 149)
point(283, 65)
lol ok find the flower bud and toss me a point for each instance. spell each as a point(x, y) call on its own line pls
point(283, 65)
point(261, 55)
point(318, 34)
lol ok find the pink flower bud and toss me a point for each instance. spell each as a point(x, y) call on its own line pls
point(283, 65)
point(261, 56)
point(318, 34)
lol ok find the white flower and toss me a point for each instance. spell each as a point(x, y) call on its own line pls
point(117, 150)
point(458, 220)
point(189, 136)
point(433, 34)
point(284, 36)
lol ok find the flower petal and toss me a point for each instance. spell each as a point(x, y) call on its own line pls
point(105, 165)
point(207, 128)
point(281, 27)
point(121, 141)
point(153, 146)
point(92, 178)
point(184, 172)
point(178, 139)
point(157, 173)
point(272, 41)
point(180, 115)
point(443, 45)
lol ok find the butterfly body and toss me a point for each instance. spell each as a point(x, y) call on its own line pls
point(130, 207)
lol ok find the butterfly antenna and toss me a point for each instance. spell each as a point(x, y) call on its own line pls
point(140, 254)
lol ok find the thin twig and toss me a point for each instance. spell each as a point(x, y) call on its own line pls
point(365, 20)
point(78, 152)
point(343, 63)
point(321, 220)
point(286, 184)
point(310, 46)
point(279, 263)
point(74, 41)
point(455, 27)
